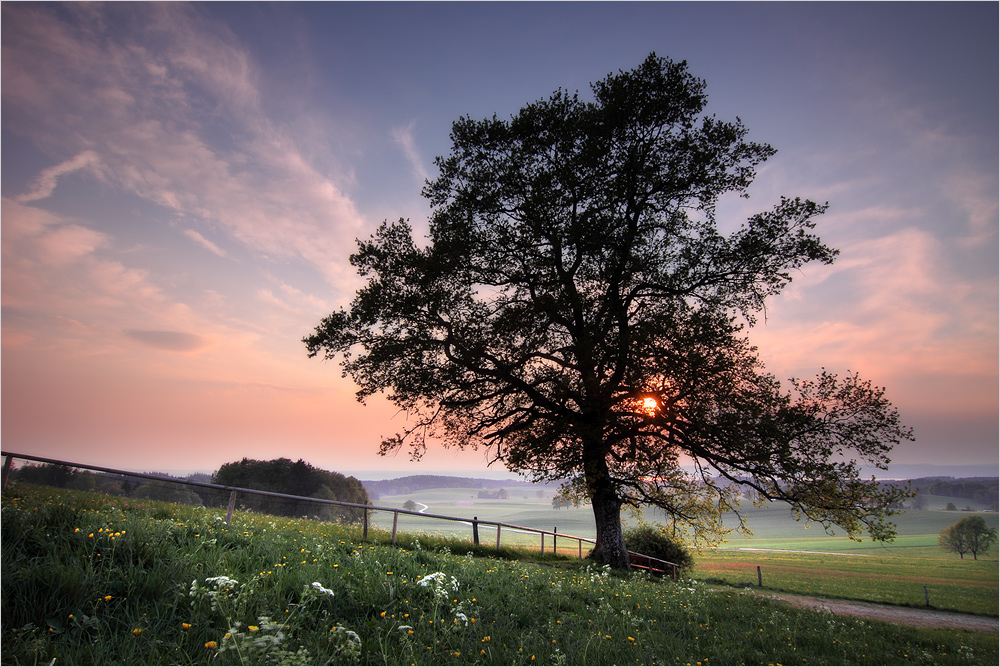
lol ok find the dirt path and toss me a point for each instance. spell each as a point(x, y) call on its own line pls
point(913, 616)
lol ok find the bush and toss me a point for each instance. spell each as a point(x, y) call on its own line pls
point(649, 541)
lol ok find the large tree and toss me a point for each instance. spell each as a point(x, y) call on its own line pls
point(577, 313)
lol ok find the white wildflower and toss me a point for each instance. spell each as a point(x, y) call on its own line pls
point(319, 587)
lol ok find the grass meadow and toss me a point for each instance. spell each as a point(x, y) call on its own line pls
point(839, 567)
point(92, 579)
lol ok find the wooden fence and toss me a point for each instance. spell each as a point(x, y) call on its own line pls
point(640, 561)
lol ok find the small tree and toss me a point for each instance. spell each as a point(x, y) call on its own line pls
point(409, 505)
point(578, 314)
point(969, 535)
point(954, 540)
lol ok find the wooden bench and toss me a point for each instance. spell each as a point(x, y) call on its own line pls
point(652, 565)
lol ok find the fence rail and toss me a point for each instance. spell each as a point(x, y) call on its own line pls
point(641, 561)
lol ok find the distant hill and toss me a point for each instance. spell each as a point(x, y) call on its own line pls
point(925, 470)
point(413, 483)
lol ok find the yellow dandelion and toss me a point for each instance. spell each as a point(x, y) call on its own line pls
point(185, 626)
point(210, 644)
point(137, 631)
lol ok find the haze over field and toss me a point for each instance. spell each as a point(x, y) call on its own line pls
point(182, 185)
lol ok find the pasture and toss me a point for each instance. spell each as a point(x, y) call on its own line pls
point(92, 579)
point(893, 573)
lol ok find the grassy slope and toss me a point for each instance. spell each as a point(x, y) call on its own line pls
point(894, 573)
point(96, 580)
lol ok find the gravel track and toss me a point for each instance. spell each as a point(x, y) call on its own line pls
point(912, 616)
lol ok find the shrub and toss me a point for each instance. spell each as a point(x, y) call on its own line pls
point(649, 541)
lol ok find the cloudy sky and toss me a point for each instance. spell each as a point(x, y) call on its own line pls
point(182, 185)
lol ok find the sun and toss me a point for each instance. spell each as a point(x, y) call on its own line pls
point(650, 405)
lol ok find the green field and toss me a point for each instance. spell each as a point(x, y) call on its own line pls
point(93, 579)
point(894, 573)
point(773, 526)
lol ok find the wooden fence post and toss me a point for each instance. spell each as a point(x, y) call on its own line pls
point(498, 536)
point(475, 530)
point(6, 469)
point(395, 518)
point(580, 545)
point(543, 542)
point(554, 531)
point(232, 506)
point(927, 597)
point(759, 584)
point(364, 533)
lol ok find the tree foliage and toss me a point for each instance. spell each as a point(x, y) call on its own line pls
point(296, 479)
point(970, 535)
point(578, 313)
point(650, 541)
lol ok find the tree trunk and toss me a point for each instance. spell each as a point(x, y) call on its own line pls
point(610, 548)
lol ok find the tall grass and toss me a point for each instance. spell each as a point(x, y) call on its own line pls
point(89, 579)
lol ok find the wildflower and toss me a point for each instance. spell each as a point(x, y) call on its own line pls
point(253, 628)
point(319, 587)
point(210, 644)
point(185, 626)
point(137, 631)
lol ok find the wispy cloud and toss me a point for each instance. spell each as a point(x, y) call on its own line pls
point(170, 110)
point(47, 179)
point(175, 341)
point(404, 137)
point(893, 310)
point(205, 243)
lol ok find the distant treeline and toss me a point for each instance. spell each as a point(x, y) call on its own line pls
point(64, 477)
point(278, 476)
point(404, 485)
point(983, 490)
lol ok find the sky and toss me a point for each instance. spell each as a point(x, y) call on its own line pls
point(182, 185)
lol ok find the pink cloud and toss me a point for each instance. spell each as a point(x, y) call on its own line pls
point(205, 243)
point(46, 181)
point(144, 117)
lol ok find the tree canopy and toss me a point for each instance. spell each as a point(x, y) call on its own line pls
point(968, 535)
point(296, 479)
point(577, 313)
